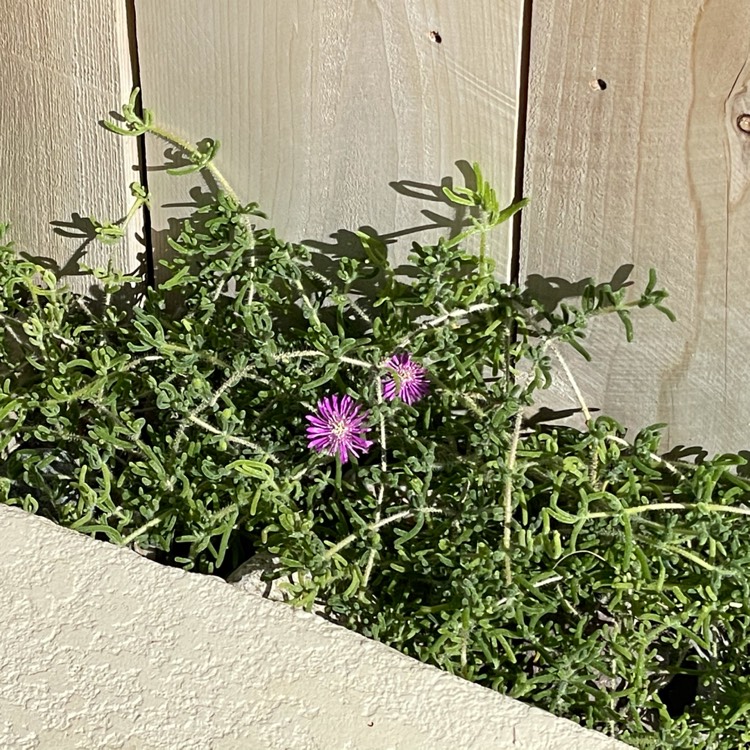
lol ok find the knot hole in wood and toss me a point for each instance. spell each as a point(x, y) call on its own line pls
point(743, 123)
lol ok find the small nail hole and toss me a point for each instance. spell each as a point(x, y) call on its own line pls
point(743, 123)
point(435, 36)
point(598, 84)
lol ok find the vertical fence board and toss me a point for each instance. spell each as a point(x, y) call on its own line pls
point(651, 170)
point(64, 67)
point(319, 105)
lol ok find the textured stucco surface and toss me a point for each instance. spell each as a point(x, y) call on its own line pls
point(101, 648)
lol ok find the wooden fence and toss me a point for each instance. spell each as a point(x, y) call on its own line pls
point(622, 119)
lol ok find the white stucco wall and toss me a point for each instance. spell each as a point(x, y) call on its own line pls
point(101, 648)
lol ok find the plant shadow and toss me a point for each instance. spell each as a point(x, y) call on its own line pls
point(82, 229)
point(344, 243)
point(551, 291)
point(446, 217)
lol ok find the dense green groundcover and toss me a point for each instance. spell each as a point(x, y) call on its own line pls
point(572, 569)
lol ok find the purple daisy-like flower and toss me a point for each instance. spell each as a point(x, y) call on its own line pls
point(337, 428)
point(407, 380)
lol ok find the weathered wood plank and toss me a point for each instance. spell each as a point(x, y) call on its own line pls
point(321, 104)
point(64, 66)
point(651, 171)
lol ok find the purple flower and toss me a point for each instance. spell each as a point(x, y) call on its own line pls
point(337, 428)
point(408, 380)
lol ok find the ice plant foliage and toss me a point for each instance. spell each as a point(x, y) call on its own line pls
point(571, 568)
point(407, 380)
point(338, 428)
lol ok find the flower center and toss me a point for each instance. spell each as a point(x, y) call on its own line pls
point(406, 375)
point(340, 428)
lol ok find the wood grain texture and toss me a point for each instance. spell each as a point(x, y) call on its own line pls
point(652, 171)
point(321, 104)
point(63, 68)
